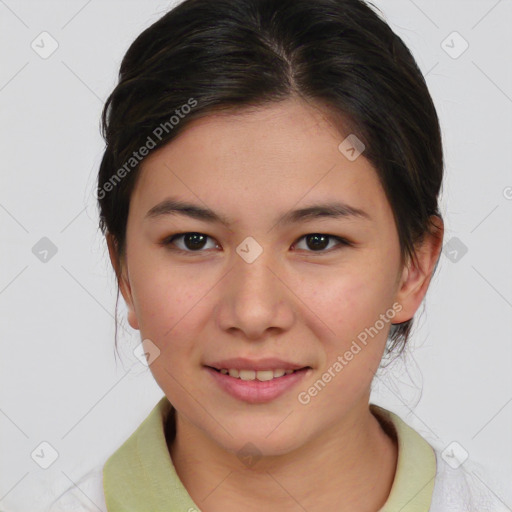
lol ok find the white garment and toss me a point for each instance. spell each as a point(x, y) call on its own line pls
point(455, 490)
point(463, 490)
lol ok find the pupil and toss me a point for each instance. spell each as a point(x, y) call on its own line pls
point(194, 240)
point(324, 241)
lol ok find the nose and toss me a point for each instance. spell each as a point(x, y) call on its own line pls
point(255, 300)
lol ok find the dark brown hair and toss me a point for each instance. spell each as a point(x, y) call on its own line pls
point(208, 56)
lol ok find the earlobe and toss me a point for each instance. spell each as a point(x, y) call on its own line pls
point(132, 317)
point(123, 281)
point(126, 291)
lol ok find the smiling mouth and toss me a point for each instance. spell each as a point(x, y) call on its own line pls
point(260, 375)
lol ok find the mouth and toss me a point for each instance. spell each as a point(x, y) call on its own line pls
point(260, 375)
point(257, 386)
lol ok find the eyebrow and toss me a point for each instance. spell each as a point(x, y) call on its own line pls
point(334, 210)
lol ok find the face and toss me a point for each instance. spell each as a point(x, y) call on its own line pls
point(254, 280)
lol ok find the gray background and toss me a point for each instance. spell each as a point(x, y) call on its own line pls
point(61, 383)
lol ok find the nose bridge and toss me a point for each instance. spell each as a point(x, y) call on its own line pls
point(256, 299)
point(253, 281)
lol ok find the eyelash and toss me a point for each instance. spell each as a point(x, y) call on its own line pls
point(167, 242)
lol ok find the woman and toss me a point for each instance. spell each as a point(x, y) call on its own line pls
point(269, 196)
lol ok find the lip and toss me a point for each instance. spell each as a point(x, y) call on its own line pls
point(269, 363)
point(255, 391)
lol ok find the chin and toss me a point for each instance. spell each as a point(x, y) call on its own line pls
point(259, 443)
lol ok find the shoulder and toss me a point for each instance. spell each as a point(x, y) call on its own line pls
point(464, 489)
point(460, 484)
point(87, 495)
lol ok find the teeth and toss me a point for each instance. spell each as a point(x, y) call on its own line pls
point(261, 375)
point(264, 375)
point(247, 374)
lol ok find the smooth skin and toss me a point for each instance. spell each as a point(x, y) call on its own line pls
point(295, 301)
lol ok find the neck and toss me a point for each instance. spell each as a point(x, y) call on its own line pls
point(352, 465)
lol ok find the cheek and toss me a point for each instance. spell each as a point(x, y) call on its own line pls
point(171, 307)
point(349, 300)
point(169, 299)
point(351, 306)
point(351, 303)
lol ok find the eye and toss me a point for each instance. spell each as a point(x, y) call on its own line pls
point(319, 241)
point(191, 241)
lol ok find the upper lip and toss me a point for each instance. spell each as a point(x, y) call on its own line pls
point(269, 363)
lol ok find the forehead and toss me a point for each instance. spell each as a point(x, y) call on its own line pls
point(269, 158)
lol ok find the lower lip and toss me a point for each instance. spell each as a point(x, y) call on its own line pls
point(255, 391)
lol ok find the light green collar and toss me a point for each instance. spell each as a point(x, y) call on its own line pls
point(140, 474)
point(416, 466)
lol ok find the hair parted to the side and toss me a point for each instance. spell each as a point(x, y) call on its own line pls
point(231, 55)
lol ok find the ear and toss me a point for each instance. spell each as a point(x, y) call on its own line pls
point(416, 275)
point(122, 279)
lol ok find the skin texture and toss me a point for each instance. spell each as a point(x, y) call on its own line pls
point(294, 302)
